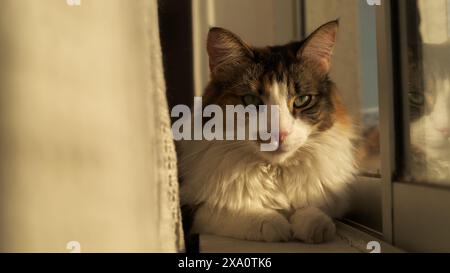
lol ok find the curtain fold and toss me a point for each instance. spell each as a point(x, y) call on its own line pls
point(86, 153)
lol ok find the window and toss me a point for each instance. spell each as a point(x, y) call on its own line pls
point(427, 82)
point(420, 192)
point(397, 76)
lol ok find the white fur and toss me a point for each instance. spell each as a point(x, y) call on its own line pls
point(425, 131)
point(298, 130)
point(435, 145)
point(246, 194)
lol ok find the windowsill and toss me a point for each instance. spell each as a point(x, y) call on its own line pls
point(348, 240)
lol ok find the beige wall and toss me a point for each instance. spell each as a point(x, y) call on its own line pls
point(260, 22)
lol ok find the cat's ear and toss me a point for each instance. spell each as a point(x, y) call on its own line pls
point(226, 50)
point(318, 47)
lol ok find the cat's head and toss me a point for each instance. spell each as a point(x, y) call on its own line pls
point(430, 98)
point(293, 76)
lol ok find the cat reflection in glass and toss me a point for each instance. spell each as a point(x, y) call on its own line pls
point(429, 101)
point(429, 110)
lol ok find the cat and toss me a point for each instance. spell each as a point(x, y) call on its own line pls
point(231, 187)
point(429, 101)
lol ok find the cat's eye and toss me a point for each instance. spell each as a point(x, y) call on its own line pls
point(251, 100)
point(303, 101)
point(416, 98)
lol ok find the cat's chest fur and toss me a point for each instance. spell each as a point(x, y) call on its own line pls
point(226, 175)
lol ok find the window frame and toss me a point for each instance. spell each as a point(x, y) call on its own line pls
point(380, 187)
point(385, 49)
point(414, 217)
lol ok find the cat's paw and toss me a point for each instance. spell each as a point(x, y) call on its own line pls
point(311, 225)
point(275, 228)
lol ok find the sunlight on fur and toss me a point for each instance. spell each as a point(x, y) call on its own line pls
point(236, 190)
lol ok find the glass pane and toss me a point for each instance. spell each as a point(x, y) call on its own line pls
point(354, 69)
point(429, 92)
point(370, 163)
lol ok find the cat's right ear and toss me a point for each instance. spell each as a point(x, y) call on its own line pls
point(226, 50)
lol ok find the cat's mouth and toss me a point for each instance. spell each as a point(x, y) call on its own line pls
point(279, 155)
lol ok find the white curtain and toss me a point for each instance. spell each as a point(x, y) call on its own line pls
point(86, 153)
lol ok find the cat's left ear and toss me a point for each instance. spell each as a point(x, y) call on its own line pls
point(318, 47)
point(227, 52)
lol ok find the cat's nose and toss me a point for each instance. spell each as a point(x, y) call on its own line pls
point(283, 136)
point(445, 131)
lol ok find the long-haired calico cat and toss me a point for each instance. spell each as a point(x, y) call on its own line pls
point(293, 192)
point(430, 114)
